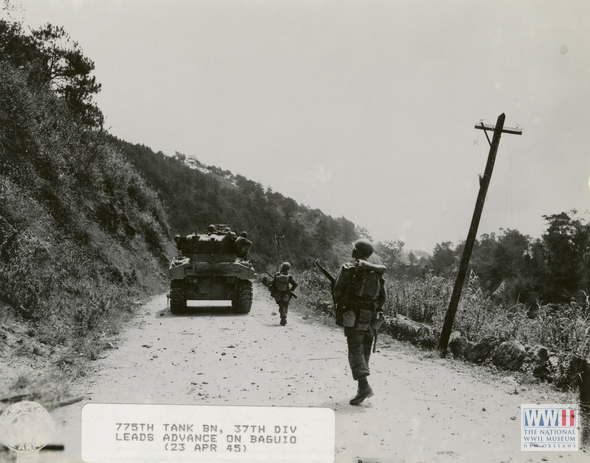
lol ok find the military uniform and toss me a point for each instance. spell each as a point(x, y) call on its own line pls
point(359, 291)
point(281, 288)
point(242, 246)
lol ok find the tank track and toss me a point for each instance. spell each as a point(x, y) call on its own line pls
point(243, 303)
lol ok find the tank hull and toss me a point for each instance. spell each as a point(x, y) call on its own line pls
point(208, 270)
point(209, 280)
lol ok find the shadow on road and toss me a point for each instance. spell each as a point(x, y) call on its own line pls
point(276, 324)
point(199, 309)
point(341, 406)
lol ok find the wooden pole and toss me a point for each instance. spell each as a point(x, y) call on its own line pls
point(277, 238)
point(582, 367)
point(484, 183)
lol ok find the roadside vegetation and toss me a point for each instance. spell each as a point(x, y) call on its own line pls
point(82, 237)
point(532, 292)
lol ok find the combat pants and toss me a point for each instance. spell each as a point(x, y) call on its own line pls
point(283, 309)
point(359, 350)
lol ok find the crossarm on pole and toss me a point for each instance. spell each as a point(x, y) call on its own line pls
point(515, 130)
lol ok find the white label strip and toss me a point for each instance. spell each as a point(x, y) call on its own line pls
point(200, 433)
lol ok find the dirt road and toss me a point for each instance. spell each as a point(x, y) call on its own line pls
point(425, 409)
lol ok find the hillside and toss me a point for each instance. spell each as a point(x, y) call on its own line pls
point(82, 237)
point(196, 195)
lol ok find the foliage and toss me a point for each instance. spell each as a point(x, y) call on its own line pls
point(314, 290)
point(418, 299)
point(50, 59)
point(554, 268)
point(391, 253)
point(196, 195)
point(560, 328)
point(81, 234)
point(444, 259)
point(563, 257)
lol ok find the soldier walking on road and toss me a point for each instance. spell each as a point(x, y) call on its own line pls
point(281, 289)
point(359, 291)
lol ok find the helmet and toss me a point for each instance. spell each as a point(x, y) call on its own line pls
point(285, 266)
point(364, 247)
point(244, 234)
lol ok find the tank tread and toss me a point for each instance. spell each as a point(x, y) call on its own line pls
point(243, 303)
point(177, 301)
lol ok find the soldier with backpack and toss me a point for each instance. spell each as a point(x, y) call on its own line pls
point(281, 289)
point(359, 292)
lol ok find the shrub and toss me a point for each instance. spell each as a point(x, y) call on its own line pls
point(314, 289)
point(560, 328)
point(421, 300)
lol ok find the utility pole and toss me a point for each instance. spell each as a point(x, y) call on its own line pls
point(277, 238)
point(484, 183)
point(192, 161)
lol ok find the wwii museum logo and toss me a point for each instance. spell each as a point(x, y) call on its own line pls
point(549, 427)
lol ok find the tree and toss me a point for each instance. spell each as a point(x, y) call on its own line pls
point(443, 258)
point(391, 253)
point(289, 208)
point(500, 258)
point(51, 58)
point(15, 46)
point(347, 231)
point(481, 258)
point(362, 232)
point(509, 257)
point(566, 250)
point(67, 70)
point(323, 235)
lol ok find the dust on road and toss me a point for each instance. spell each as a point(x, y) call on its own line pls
point(425, 409)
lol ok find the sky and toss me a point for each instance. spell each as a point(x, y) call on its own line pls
point(362, 109)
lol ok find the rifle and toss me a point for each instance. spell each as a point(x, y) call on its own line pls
point(375, 334)
point(326, 273)
point(332, 279)
point(375, 341)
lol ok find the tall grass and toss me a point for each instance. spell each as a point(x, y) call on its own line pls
point(71, 297)
point(420, 300)
point(559, 328)
point(314, 292)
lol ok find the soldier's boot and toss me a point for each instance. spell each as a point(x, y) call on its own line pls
point(283, 321)
point(363, 392)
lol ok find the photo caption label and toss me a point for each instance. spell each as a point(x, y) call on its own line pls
point(143, 433)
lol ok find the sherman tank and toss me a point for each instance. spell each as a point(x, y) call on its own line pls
point(207, 269)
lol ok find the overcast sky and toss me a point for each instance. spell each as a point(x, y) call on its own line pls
point(363, 109)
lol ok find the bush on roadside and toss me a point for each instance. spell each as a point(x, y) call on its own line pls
point(563, 329)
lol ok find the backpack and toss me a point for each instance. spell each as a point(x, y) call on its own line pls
point(282, 282)
point(366, 284)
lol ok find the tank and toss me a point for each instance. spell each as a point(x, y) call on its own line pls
point(207, 269)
